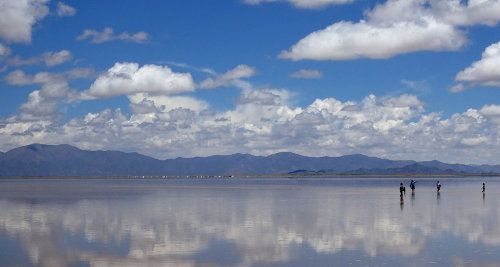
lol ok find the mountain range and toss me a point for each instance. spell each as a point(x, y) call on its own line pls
point(66, 160)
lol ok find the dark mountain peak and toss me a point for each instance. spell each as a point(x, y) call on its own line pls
point(39, 149)
point(35, 147)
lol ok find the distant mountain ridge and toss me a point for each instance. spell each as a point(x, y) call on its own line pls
point(66, 160)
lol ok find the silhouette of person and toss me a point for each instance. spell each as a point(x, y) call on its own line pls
point(401, 189)
point(412, 185)
point(484, 187)
point(438, 186)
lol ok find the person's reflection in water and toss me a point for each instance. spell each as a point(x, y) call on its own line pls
point(484, 192)
point(401, 202)
point(438, 197)
point(412, 198)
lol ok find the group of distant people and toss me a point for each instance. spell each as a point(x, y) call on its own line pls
point(402, 188)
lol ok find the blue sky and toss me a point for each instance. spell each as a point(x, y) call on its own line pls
point(412, 79)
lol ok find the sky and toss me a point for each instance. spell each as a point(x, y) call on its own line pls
point(407, 79)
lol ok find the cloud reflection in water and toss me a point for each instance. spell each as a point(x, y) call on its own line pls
point(241, 224)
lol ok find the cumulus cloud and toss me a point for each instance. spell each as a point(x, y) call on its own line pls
point(43, 102)
point(310, 4)
point(482, 72)
point(64, 10)
point(48, 58)
point(108, 35)
point(231, 77)
point(144, 103)
point(491, 110)
point(130, 78)
point(307, 74)
point(397, 27)
point(18, 17)
point(265, 121)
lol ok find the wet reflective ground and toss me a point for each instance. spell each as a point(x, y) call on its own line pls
point(259, 222)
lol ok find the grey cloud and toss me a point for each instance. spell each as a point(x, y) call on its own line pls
point(307, 74)
point(64, 10)
point(48, 58)
point(17, 18)
point(230, 77)
point(108, 35)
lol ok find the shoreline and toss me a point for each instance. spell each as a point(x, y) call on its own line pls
point(247, 176)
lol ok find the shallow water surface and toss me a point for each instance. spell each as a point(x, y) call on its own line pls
point(248, 222)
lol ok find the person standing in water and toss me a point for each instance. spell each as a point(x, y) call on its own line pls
point(484, 187)
point(438, 186)
point(412, 185)
point(401, 189)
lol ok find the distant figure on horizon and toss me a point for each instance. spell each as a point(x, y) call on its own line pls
point(438, 186)
point(412, 185)
point(402, 189)
point(484, 187)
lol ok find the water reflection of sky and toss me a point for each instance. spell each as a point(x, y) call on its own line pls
point(247, 223)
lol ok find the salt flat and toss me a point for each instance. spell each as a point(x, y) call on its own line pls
point(248, 222)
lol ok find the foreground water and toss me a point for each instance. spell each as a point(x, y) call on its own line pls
point(258, 222)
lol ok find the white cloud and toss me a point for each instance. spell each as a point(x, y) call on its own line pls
point(56, 58)
point(18, 17)
point(474, 141)
point(144, 103)
point(50, 59)
point(457, 88)
point(265, 121)
point(164, 124)
point(307, 74)
point(130, 78)
point(416, 86)
point(108, 35)
point(303, 3)
point(472, 12)
point(64, 10)
point(491, 110)
point(43, 103)
point(20, 78)
point(37, 106)
point(484, 71)
point(397, 27)
point(231, 77)
point(347, 40)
